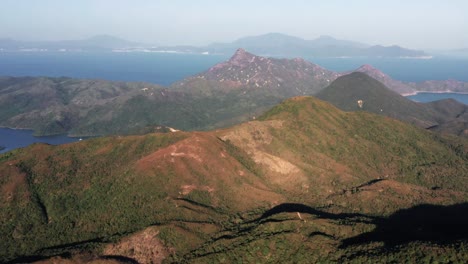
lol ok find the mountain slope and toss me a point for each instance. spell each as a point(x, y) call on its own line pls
point(230, 92)
point(284, 183)
point(445, 116)
point(65, 105)
point(280, 77)
point(346, 91)
point(395, 85)
point(449, 86)
point(454, 118)
point(408, 88)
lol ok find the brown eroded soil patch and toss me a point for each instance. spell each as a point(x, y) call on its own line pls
point(254, 137)
point(202, 162)
point(144, 247)
point(190, 148)
point(14, 179)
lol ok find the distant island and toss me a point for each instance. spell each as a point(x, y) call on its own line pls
point(229, 92)
point(271, 44)
point(276, 44)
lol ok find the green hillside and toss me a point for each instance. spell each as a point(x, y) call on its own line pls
point(445, 116)
point(376, 97)
point(231, 92)
point(228, 93)
point(304, 183)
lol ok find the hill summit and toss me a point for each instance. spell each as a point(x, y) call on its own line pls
point(347, 90)
point(359, 91)
point(230, 92)
point(241, 57)
point(305, 181)
point(285, 77)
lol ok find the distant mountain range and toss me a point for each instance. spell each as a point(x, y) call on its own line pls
point(271, 44)
point(275, 44)
point(230, 92)
point(302, 182)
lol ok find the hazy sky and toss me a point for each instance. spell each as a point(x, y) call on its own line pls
point(421, 24)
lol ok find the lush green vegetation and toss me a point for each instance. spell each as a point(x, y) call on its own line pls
point(346, 91)
point(293, 186)
point(213, 99)
point(95, 198)
point(371, 145)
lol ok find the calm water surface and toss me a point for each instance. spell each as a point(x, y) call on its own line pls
point(166, 68)
point(18, 138)
point(429, 97)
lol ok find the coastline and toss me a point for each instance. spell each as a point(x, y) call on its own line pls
point(435, 92)
point(17, 128)
point(14, 138)
point(47, 135)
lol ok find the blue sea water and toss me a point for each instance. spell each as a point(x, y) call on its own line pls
point(429, 97)
point(158, 68)
point(17, 138)
point(407, 70)
point(166, 68)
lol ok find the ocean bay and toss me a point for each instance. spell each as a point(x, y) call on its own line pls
point(167, 68)
point(17, 138)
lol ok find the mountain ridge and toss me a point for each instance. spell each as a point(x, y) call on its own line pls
point(277, 44)
point(270, 44)
point(245, 68)
point(358, 91)
point(295, 175)
point(230, 92)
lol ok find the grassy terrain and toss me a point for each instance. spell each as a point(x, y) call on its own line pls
point(303, 183)
point(345, 92)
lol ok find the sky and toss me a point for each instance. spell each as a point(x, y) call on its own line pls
point(417, 24)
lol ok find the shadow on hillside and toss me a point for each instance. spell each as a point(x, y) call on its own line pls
point(304, 209)
point(431, 223)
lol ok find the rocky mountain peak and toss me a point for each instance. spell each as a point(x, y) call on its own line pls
point(373, 72)
point(368, 68)
point(241, 58)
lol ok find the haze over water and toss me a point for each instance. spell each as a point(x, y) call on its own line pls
point(165, 69)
